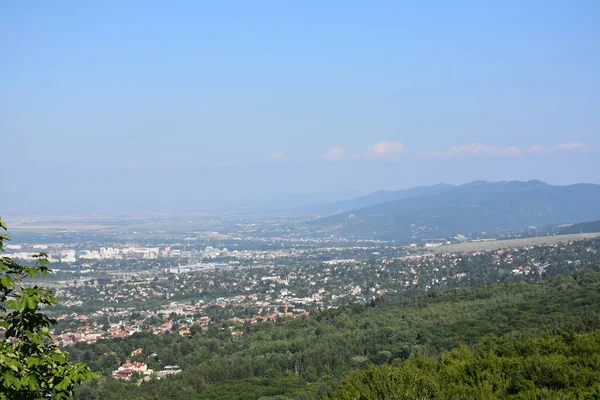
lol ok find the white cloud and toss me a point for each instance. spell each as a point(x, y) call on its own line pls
point(537, 149)
point(483, 150)
point(474, 150)
point(570, 146)
point(278, 156)
point(336, 153)
point(382, 150)
point(391, 150)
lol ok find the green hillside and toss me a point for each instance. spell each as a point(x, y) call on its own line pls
point(584, 227)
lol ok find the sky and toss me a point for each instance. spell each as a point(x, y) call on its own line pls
point(192, 105)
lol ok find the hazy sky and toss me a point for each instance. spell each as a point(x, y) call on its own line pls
point(170, 105)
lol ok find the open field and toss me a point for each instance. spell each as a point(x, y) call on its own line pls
point(135, 223)
point(501, 244)
point(58, 227)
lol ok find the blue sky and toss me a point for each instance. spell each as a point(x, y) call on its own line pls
point(171, 105)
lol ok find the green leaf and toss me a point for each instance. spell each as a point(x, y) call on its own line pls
point(30, 367)
point(58, 357)
point(31, 302)
point(12, 380)
point(6, 281)
point(12, 304)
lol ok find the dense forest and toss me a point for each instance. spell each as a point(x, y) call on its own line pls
point(308, 358)
point(565, 366)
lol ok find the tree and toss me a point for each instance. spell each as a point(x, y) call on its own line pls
point(195, 329)
point(389, 382)
point(30, 366)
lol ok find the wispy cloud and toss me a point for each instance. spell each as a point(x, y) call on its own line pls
point(484, 150)
point(391, 150)
point(474, 150)
point(385, 150)
point(336, 153)
point(538, 149)
point(277, 156)
point(570, 146)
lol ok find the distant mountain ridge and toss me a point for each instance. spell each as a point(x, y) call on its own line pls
point(382, 196)
point(475, 207)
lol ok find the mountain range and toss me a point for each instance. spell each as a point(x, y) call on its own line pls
point(443, 210)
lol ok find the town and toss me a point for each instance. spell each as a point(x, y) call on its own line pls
point(99, 302)
point(112, 290)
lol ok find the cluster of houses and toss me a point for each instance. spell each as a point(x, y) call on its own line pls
point(251, 295)
point(152, 321)
point(128, 369)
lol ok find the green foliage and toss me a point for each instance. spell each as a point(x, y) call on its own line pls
point(565, 366)
point(31, 367)
point(389, 382)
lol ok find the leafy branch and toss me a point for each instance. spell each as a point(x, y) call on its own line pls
point(31, 367)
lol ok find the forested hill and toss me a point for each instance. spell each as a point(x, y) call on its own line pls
point(584, 227)
point(471, 208)
point(550, 367)
point(306, 358)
